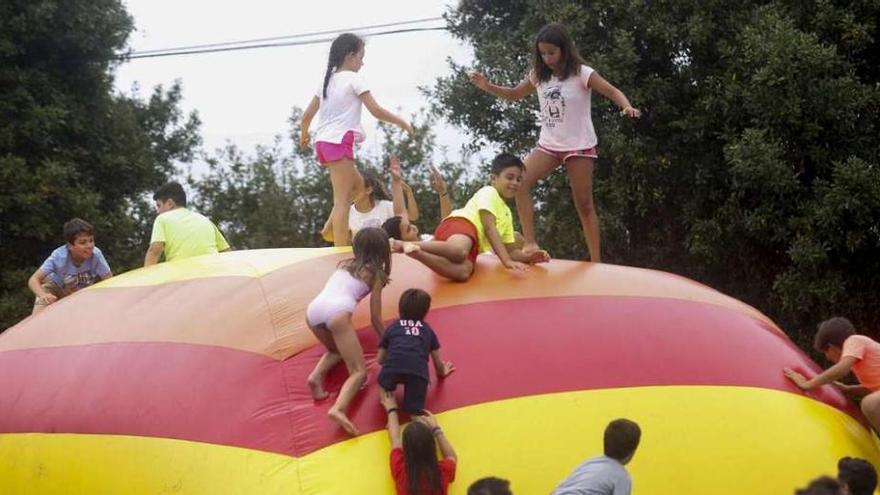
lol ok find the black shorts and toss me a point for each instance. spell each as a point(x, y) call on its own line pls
point(415, 388)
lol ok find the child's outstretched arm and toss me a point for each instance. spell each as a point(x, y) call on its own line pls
point(518, 92)
point(530, 257)
point(607, 90)
point(443, 368)
point(442, 192)
point(390, 405)
point(380, 113)
point(397, 188)
point(832, 374)
point(412, 208)
point(35, 283)
point(488, 220)
point(307, 117)
point(376, 306)
point(445, 447)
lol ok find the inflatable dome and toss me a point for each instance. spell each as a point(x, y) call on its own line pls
point(190, 377)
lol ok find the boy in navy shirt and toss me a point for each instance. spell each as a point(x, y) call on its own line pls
point(404, 350)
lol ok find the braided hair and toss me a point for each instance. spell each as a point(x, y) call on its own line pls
point(344, 44)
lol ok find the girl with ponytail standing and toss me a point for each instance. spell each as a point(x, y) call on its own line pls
point(338, 106)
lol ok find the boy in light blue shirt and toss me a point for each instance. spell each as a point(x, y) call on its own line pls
point(606, 474)
point(71, 267)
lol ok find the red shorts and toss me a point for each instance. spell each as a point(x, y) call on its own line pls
point(463, 226)
point(332, 152)
point(565, 155)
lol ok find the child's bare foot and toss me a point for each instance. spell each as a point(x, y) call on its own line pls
point(530, 247)
point(539, 256)
point(343, 421)
point(317, 389)
point(398, 246)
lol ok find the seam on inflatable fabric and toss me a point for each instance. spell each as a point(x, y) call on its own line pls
point(279, 363)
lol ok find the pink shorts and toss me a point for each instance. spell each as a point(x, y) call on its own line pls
point(332, 152)
point(565, 155)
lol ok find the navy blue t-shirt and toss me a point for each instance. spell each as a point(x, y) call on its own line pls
point(408, 344)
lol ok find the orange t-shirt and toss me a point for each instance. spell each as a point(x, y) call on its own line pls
point(867, 354)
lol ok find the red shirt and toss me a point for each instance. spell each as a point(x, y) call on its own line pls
point(398, 472)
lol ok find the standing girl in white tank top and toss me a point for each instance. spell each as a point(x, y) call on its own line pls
point(329, 318)
point(564, 85)
point(338, 106)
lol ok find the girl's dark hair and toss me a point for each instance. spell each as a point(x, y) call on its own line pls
point(372, 181)
point(392, 227)
point(556, 34)
point(344, 44)
point(420, 457)
point(371, 253)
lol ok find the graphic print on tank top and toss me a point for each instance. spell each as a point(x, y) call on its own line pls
point(553, 110)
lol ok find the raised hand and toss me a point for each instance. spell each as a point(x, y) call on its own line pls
point(394, 165)
point(479, 80)
point(437, 181)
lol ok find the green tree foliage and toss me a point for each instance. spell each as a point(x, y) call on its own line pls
point(69, 146)
point(281, 198)
point(755, 166)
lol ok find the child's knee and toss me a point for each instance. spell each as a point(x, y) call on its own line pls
point(462, 274)
point(871, 405)
point(359, 376)
point(584, 204)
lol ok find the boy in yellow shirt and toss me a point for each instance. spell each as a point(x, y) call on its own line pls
point(179, 232)
point(484, 224)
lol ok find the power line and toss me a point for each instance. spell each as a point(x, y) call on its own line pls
point(268, 45)
point(261, 42)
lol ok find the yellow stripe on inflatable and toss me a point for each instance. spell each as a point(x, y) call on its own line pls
point(49, 464)
point(762, 442)
point(695, 440)
point(231, 264)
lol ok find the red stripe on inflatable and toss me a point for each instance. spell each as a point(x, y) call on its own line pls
point(502, 349)
point(201, 393)
point(516, 348)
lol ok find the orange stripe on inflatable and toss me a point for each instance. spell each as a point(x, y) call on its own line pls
point(215, 310)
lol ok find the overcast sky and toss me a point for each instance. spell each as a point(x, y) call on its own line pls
point(246, 97)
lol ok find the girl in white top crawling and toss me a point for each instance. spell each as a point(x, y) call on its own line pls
point(329, 318)
point(338, 106)
point(564, 85)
